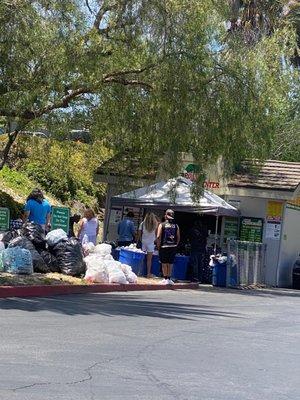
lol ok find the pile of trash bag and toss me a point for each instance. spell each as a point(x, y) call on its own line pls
point(28, 250)
point(102, 268)
point(52, 253)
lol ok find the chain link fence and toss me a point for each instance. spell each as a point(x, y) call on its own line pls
point(246, 263)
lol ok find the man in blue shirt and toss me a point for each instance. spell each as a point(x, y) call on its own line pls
point(37, 209)
point(126, 230)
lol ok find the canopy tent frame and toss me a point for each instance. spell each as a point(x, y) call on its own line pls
point(176, 194)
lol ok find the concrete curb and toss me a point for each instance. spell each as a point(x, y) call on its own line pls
point(47, 290)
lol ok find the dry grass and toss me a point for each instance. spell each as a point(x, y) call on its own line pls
point(151, 281)
point(52, 278)
point(7, 279)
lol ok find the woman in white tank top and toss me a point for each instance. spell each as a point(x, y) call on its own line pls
point(147, 234)
point(89, 226)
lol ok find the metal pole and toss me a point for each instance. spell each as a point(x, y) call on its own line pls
point(107, 211)
point(216, 233)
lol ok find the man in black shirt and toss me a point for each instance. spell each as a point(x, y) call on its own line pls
point(198, 239)
point(73, 220)
point(168, 238)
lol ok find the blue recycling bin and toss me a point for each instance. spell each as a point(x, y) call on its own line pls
point(155, 267)
point(135, 259)
point(180, 267)
point(219, 274)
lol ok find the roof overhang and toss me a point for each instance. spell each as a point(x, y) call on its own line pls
point(259, 193)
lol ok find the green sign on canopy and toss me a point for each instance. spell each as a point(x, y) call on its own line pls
point(60, 217)
point(4, 219)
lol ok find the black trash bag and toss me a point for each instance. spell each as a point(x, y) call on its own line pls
point(9, 235)
point(35, 233)
point(112, 244)
point(69, 256)
point(37, 260)
point(50, 260)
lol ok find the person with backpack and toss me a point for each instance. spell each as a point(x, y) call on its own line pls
point(147, 235)
point(168, 238)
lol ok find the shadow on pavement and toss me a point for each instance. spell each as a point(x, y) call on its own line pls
point(268, 292)
point(113, 305)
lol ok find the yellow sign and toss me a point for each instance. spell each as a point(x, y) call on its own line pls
point(295, 202)
point(274, 210)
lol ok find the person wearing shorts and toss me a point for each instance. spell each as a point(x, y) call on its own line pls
point(147, 235)
point(168, 238)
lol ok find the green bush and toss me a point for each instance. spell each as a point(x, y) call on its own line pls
point(15, 207)
point(64, 169)
point(16, 181)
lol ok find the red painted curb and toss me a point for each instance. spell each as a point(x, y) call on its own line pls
point(44, 290)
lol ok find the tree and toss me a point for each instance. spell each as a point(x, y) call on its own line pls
point(56, 54)
point(154, 77)
point(214, 95)
point(254, 19)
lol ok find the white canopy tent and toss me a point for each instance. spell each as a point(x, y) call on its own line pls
point(176, 194)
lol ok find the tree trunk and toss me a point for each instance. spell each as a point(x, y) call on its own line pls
point(12, 136)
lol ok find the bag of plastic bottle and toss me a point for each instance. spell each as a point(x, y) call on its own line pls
point(115, 273)
point(131, 277)
point(69, 256)
point(117, 276)
point(96, 269)
point(85, 240)
point(112, 264)
point(37, 260)
point(87, 246)
point(103, 249)
point(97, 275)
point(17, 261)
point(93, 261)
point(55, 236)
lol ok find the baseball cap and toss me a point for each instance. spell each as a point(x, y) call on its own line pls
point(170, 214)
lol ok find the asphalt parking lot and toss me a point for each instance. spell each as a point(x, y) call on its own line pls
point(187, 344)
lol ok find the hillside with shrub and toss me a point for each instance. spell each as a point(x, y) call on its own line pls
point(14, 189)
point(63, 169)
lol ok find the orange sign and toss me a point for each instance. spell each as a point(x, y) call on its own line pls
point(211, 185)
